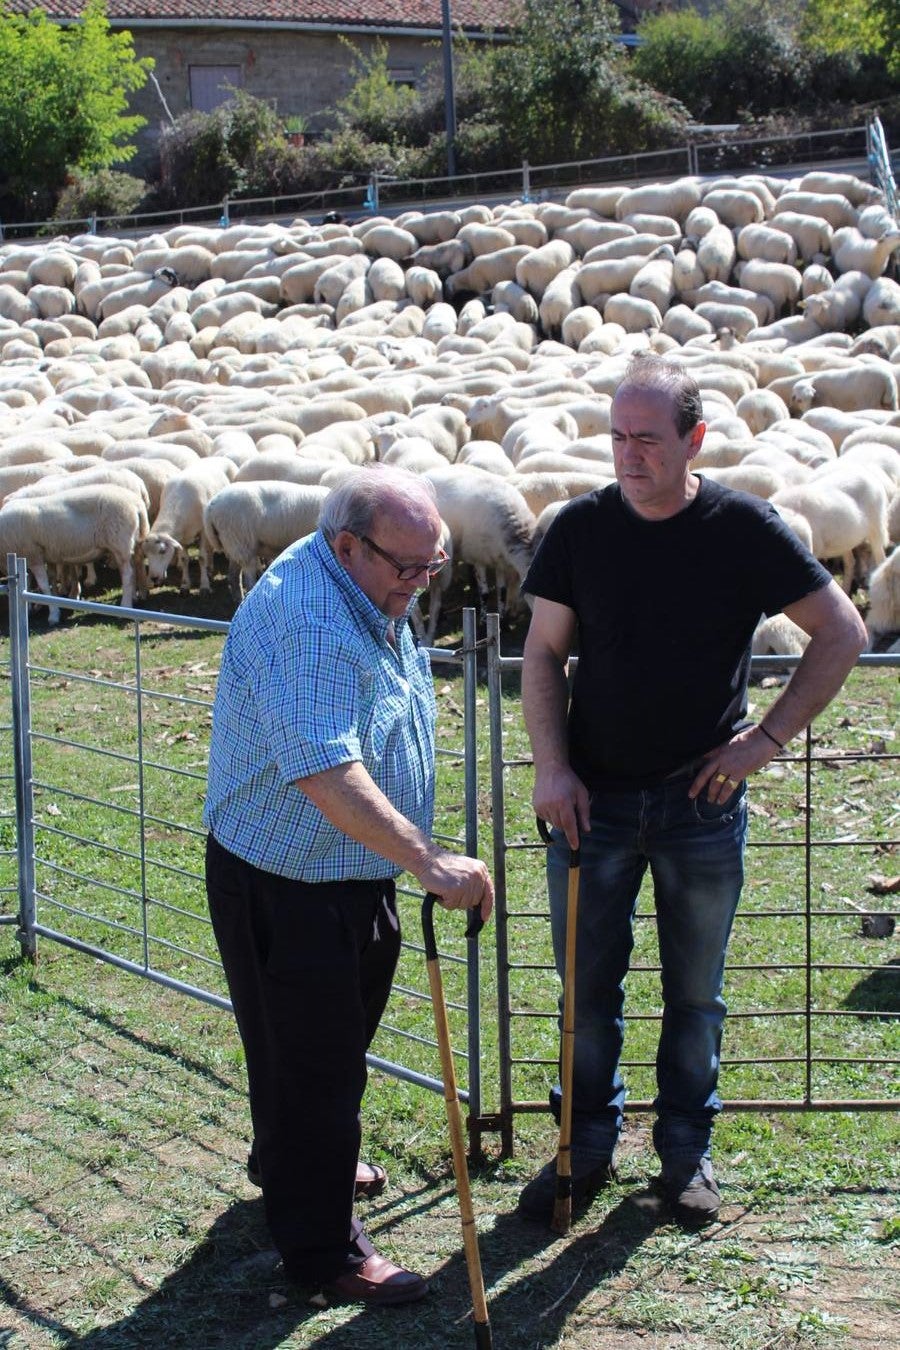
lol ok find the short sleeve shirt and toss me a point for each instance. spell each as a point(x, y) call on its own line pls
point(665, 616)
point(308, 681)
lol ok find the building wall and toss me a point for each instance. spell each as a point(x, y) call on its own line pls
point(299, 73)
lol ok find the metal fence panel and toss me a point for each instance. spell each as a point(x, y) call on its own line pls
point(813, 1002)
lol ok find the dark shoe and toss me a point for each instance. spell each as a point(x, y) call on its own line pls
point(589, 1175)
point(377, 1283)
point(370, 1178)
point(692, 1192)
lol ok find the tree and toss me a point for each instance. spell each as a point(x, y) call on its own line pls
point(562, 88)
point(843, 25)
point(63, 101)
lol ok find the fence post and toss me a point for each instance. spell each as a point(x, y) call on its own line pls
point(501, 909)
point(526, 181)
point(21, 721)
point(470, 775)
point(225, 219)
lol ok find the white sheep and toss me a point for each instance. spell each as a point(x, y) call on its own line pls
point(73, 527)
point(716, 253)
point(839, 523)
point(762, 241)
point(760, 408)
point(734, 207)
point(179, 522)
point(852, 251)
point(561, 297)
point(810, 233)
point(830, 206)
point(855, 387)
point(540, 489)
point(491, 526)
point(249, 521)
point(881, 306)
point(778, 635)
point(634, 314)
point(781, 282)
point(847, 185)
point(839, 307)
point(884, 598)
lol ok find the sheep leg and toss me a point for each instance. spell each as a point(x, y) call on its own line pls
point(39, 572)
point(205, 551)
point(141, 584)
point(481, 581)
point(185, 565)
point(418, 623)
point(234, 582)
point(848, 564)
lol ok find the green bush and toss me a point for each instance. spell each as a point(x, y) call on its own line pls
point(228, 152)
point(564, 89)
point(105, 193)
point(751, 60)
point(375, 106)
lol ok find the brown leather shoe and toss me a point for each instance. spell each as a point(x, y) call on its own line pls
point(377, 1283)
point(370, 1178)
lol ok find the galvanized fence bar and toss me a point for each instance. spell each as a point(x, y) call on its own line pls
point(21, 720)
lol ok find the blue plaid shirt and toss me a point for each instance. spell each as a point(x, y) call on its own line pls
point(309, 681)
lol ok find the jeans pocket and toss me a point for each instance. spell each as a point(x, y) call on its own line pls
point(708, 813)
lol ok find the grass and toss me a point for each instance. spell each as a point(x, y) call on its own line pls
point(127, 1218)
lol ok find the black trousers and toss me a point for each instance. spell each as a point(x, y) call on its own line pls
point(309, 970)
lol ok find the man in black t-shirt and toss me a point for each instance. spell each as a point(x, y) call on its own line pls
point(663, 577)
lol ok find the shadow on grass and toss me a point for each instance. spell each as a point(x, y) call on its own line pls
point(878, 993)
point(228, 1294)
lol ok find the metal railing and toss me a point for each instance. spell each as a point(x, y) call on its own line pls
point(880, 166)
point(381, 192)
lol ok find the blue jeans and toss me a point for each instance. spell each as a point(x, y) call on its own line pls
point(695, 854)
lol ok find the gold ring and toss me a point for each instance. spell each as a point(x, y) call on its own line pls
point(720, 778)
point(733, 782)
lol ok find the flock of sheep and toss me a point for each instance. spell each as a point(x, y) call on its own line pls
point(206, 387)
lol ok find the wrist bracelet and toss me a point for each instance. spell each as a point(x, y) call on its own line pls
point(770, 736)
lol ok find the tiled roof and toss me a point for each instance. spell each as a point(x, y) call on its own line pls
point(477, 14)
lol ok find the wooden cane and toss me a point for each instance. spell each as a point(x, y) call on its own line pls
point(454, 1119)
point(562, 1205)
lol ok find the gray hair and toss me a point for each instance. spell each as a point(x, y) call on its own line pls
point(645, 370)
point(373, 490)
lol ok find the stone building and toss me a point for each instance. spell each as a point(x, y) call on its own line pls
point(286, 51)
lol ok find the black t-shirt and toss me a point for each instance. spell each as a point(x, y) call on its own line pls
point(666, 611)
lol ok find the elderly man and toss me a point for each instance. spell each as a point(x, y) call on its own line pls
point(321, 790)
point(663, 576)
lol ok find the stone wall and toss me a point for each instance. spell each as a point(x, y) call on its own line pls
point(300, 73)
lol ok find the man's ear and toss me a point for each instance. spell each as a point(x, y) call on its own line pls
point(697, 434)
point(344, 545)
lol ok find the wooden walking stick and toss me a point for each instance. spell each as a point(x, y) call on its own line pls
point(454, 1119)
point(562, 1205)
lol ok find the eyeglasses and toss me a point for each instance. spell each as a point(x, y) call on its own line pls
point(407, 571)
